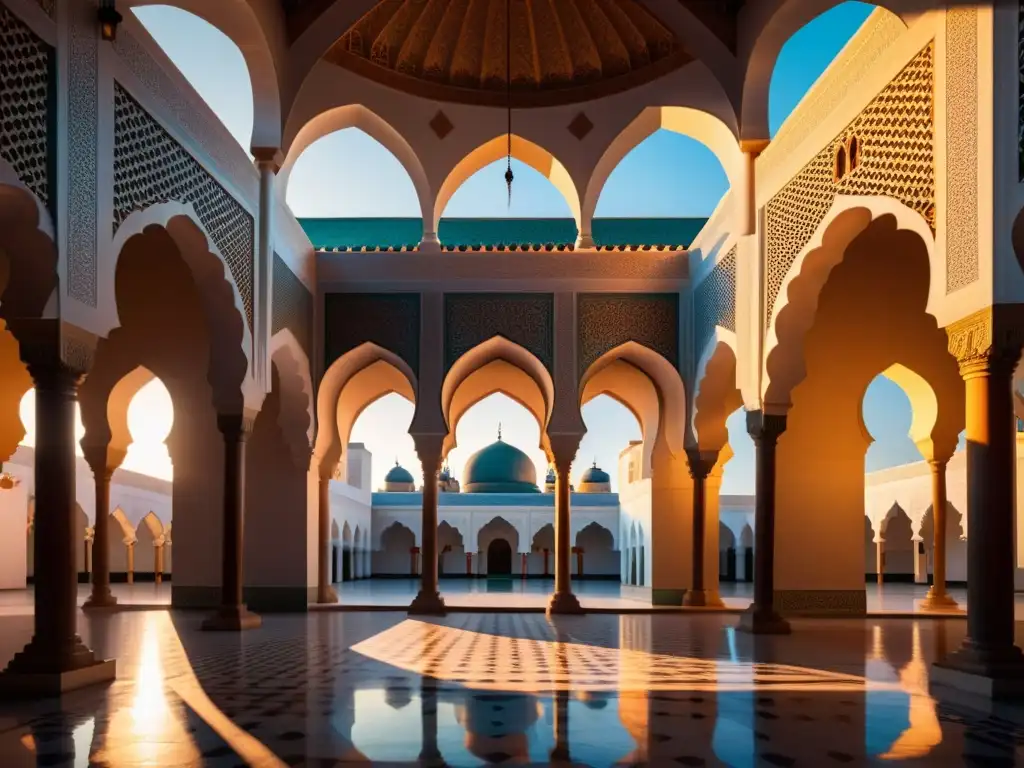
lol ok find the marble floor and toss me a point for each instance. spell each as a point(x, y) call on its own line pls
point(331, 689)
point(514, 594)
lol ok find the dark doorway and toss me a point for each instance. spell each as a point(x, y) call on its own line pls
point(499, 558)
point(730, 565)
point(346, 565)
point(748, 564)
point(334, 564)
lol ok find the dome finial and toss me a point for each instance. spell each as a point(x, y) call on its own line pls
point(595, 462)
point(499, 431)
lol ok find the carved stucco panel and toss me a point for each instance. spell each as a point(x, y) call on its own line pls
point(714, 301)
point(525, 319)
point(606, 321)
point(389, 320)
point(293, 306)
point(82, 127)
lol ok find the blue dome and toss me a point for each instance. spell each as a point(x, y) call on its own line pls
point(595, 475)
point(398, 474)
point(500, 468)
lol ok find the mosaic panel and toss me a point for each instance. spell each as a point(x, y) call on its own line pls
point(83, 128)
point(26, 89)
point(961, 147)
point(473, 318)
point(714, 301)
point(895, 134)
point(293, 306)
point(150, 167)
point(606, 320)
point(389, 320)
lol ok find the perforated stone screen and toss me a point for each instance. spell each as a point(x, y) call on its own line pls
point(714, 301)
point(25, 93)
point(895, 132)
point(607, 320)
point(150, 167)
point(293, 305)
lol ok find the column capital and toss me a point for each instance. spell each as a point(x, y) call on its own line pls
point(103, 460)
point(990, 340)
point(700, 463)
point(268, 158)
point(765, 427)
point(236, 426)
point(428, 449)
point(54, 350)
point(754, 146)
point(563, 450)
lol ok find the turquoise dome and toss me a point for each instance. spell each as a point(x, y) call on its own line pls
point(500, 468)
point(398, 474)
point(595, 475)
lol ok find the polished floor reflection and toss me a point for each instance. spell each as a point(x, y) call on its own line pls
point(479, 689)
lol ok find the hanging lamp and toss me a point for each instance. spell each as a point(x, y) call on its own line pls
point(509, 176)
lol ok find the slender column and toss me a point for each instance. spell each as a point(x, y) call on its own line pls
point(700, 465)
point(233, 615)
point(263, 284)
point(564, 448)
point(761, 617)
point(98, 458)
point(324, 591)
point(130, 557)
point(937, 598)
point(523, 565)
point(987, 345)
point(430, 753)
point(158, 560)
point(55, 660)
point(469, 563)
point(880, 560)
point(429, 601)
point(746, 204)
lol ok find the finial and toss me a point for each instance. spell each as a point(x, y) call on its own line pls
point(595, 462)
point(499, 431)
point(396, 461)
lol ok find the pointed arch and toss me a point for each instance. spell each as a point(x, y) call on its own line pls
point(124, 526)
point(702, 126)
point(523, 150)
point(28, 251)
point(716, 392)
point(633, 389)
point(296, 415)
point(374, 126)
point(666, 381)
point(497, 365)
point(352, 382)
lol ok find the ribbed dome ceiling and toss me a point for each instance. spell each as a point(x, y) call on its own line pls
point(453, 46)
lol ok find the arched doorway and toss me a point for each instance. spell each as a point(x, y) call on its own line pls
point(499, 558)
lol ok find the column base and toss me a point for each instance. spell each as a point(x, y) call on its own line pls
point(326, 596)
point(982, 674)
point(939, 602)
point(428, 604)
point(761, 622)
point(564, 603)
point(35, 673)
point(695, 598)
point(232, 618)
point(99, 602)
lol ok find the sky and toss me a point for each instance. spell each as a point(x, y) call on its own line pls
point(350, 174)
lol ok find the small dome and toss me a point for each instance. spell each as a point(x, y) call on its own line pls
point(398, 474)
point(500, 468)
point(595, 475)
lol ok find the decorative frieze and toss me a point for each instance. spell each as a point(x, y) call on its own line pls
point(991, 336)
point(293, 306)
point(526, 319)
point(608, 320)
point(150, 167)
point(389, 320)
point(895, 135)
point(714, 301)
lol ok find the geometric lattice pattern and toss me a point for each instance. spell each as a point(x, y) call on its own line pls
point(895, 134)
point(714, 302)
point(24, 104)
point(293, 305)
point(526, 319)
point(606, 320)
point(389, 320)
point(150, 167)
point(962, 263)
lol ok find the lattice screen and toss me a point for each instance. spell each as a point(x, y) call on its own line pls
point(150, 167)
point(293, 305)
point(895, 134)
point(24, 103)
point(714, 301)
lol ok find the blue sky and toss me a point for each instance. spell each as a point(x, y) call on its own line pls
point(350, 174)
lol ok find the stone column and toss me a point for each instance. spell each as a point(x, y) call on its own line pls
point(55, 660)
point(263, 282)
point(103, 464)
point(700, 465)
point(130, 558)
point(564, 449)
point(324, 591)
point(987, 346)
point(746, 204)
point(429, 601)
point(880, 560)
point(761, 618)
point(232, 615)
point(937, 598)
point(469, 563)
point(158, 562)
point(523, 564)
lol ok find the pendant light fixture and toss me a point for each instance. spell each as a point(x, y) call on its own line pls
point(508, 99)
point(109, 19)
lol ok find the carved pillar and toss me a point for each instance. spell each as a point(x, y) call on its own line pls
point(130, 558)
point(700, 465)
point(324, 591)
point(564, 449)
point(103, 463)
point(937, 598)
point(429, 601)
point(55, 660)
point(232, 614)
point(761, 617)
point(987, 346)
